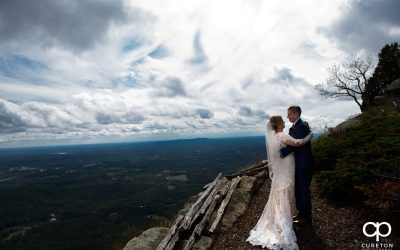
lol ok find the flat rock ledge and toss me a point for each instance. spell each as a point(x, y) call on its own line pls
point(148, 240)
point(237, 206)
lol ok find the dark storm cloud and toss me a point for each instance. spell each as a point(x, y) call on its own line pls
point(73, 24)
point(367, 24)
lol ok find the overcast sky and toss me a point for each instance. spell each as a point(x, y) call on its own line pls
point(87, 71)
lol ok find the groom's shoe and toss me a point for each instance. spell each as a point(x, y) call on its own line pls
point(302, 221)
point(296, 217)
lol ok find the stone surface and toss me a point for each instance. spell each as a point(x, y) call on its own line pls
point(203, 243)
point(350, 123)
point(394, 86)
point(239, 202)
point(148, 240)
point(236, 207)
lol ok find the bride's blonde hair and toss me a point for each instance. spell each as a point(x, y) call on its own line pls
point(275, 120)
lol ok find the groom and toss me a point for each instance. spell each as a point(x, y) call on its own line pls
point(303, 165)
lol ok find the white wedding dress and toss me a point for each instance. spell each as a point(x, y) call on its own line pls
point(274, 229)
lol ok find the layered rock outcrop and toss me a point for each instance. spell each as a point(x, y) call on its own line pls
point(194, 236)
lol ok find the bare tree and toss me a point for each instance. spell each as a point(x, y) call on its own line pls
point(347, 79)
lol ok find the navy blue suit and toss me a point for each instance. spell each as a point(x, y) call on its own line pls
point(303, 168)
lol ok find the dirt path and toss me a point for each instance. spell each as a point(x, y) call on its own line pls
point(333, 227)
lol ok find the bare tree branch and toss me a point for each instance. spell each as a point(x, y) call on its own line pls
point(347, 79)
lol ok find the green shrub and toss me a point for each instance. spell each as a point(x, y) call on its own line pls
point(339, 184)
point(352, 163)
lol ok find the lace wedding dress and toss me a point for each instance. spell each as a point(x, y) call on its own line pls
point(274, 229)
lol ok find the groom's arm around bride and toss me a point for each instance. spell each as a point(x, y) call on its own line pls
point(299, 131)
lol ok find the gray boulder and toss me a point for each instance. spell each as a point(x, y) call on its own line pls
point(148, 240)
point(204, 243)
point(239, 202)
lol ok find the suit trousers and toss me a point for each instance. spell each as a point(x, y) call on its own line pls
point(303, 178)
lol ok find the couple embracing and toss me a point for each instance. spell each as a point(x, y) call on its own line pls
point(290, 166)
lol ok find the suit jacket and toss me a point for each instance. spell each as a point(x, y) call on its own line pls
point(303, 154)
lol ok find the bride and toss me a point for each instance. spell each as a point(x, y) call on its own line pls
point(274, 228)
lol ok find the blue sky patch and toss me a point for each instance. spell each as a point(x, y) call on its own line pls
point(131, 45)
point(12, 64)
point(21, 67)
point(128, 81)
point(160, 52)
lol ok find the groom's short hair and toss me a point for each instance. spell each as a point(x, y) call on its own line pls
point(295, 109)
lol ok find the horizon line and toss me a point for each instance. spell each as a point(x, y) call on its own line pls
point(125, 142)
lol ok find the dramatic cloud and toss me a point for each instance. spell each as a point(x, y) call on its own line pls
point(75, 24)
point(366, 25)
point(11, 118)
point(170, 87)
point(130, 117)
point(285, 75)
point(247, 111)
point(33, 115)
point(99, 71)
